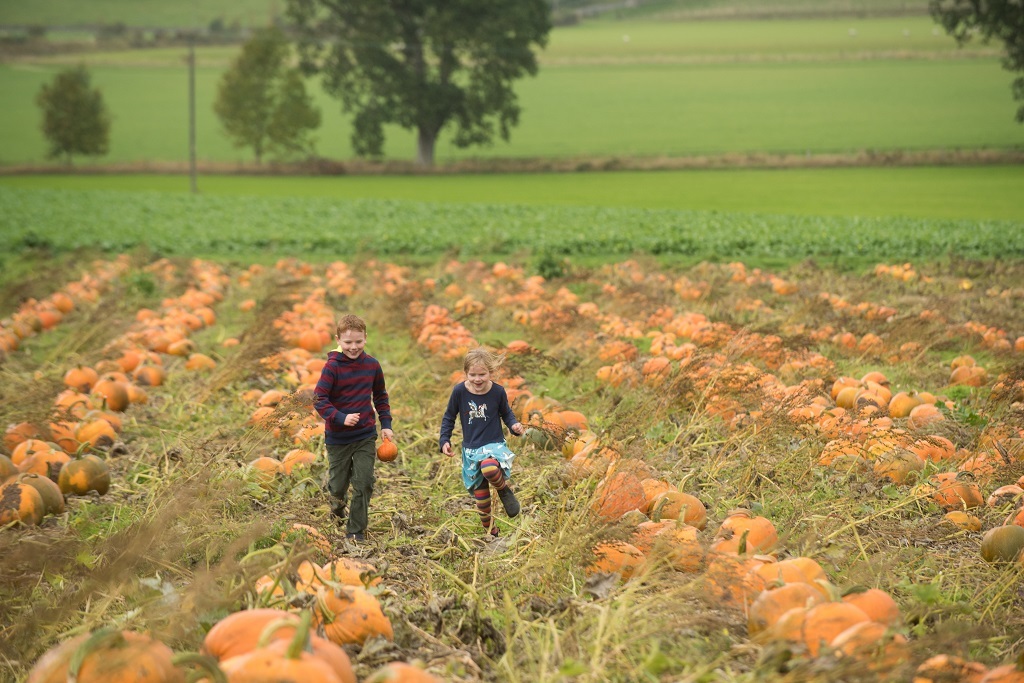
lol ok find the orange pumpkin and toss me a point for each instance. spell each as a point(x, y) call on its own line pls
point(770, 605)
point(616, 557)
point(19, 502)
point(84, 473)
point(352, 572)
point(1003, 543)
point(400, 672)
point(239, 632)
point(108, 656)
point(825, 621)
point(679, 505)
point(111, 393)
point(743, 532)
point(387, 451)
point(616, 494)
point(53, 498)
point(877, 604)
point(944, 668)
point(351, 615)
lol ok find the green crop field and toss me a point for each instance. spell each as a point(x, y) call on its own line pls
point(974, 193)
point(672, 89)
point(230, 225)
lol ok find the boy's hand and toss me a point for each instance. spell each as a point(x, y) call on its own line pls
point(447, 449)
point(352, 419)
point(387, 434)
point(517, 429)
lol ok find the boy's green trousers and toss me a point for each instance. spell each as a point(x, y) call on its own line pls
point(352, 464)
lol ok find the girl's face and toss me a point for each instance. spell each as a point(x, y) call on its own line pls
point(478, 377)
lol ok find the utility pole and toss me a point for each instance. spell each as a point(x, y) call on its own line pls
point(192, 113)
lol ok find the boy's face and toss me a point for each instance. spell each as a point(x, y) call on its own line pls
point(352, 343)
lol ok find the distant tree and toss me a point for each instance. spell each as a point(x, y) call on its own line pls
point(1001, 19)
point(75, 118)
point(262, 103)
point(422, 64)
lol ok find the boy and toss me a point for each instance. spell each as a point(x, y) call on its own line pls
point(349, 382)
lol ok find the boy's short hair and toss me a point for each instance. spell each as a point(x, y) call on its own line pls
point(350, 322)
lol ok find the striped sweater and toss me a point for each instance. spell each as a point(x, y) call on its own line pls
point(348, 386)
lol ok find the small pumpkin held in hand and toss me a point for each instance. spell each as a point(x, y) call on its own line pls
point(387, 451)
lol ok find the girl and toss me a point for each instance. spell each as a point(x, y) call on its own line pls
point(486, 460)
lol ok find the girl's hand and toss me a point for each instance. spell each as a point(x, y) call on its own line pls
point(517, 429)
point(387, 434)
point(447, 449)
point(352, 419)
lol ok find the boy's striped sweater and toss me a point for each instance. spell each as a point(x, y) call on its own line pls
point(348, 386)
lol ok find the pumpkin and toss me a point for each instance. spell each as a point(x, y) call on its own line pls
point(98, 433)
point(81, 378)
point(616, 557)
point(645, 531)
point(352, 572)
point(400, 672)
point(825, 621)
point(617, 494)
point(731, 579)
point(18, 432)
point(351, 615)
point(743, 532)
point(793, 570)
point(1011, 494)
point(956, 491)
point(200, 361)
point(297, 458)
point(110, 393)
point(770, 605)
point(963, 520)
point(679, 505)
point(264, 470)
point(7, 468)
point(301, 658)
point(682, 548)
point(84, 473)
point(239, 632)
point(923, 415)
point(871, 643)
point(108, 656)
point(1003, 543)
point(53, 498)
point(149, 375)
point(877, 604)
point(387, 451)
point(945, 668)
point(898, 466)
point(19, 502)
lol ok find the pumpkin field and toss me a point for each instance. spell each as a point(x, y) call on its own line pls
point(731, 473)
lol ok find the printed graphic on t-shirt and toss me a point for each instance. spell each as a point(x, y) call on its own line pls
point(475, 411)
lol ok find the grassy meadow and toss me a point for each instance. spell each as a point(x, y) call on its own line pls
point(671, 90)
point(941, 193)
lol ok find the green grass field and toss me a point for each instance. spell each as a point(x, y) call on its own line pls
point(978, 193)
point(673, 89)
point(620, 110)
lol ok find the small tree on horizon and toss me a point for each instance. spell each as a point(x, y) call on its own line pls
point(75, 117)
point(1000, 19)
point(422, 65)
point(262, 103)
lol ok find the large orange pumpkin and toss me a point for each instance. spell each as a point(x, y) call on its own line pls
point(108, 656)
point(19, 502)
point(83, 474)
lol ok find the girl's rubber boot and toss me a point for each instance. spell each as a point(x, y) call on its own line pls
point(509, 501)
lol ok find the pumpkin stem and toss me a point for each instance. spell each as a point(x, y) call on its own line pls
point(91, 644)
point(742, 548)
point(209, 667)
point(301, 639)
point(656, 512)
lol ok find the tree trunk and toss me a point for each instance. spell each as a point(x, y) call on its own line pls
point(425, 147)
